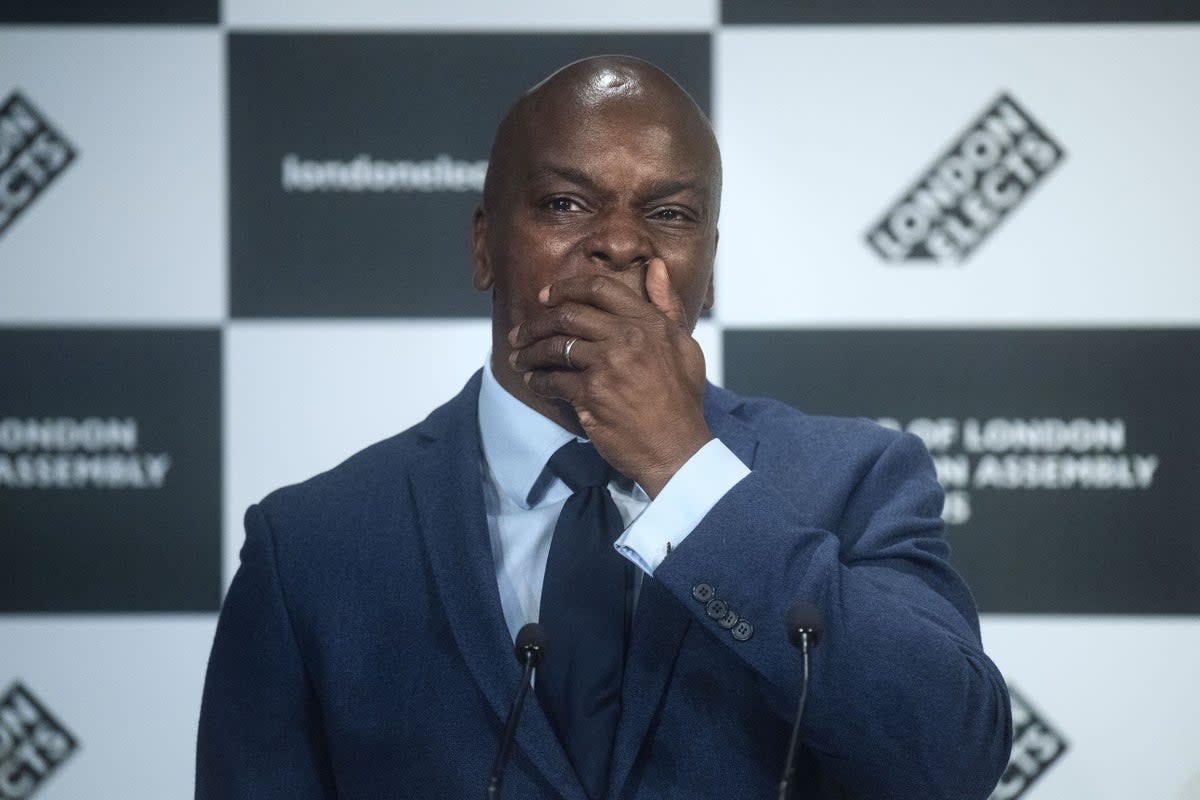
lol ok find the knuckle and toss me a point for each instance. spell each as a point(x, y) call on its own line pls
point(618, 357)
point(593, 384)
point(567, 314)
point(596, 285)
point(620, 363)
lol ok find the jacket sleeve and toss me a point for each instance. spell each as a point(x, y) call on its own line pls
point(260, 732)
point(903, 703)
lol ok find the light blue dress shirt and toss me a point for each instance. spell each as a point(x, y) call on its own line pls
point(517, 444)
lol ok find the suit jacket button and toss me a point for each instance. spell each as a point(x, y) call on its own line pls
point(742, 631)
point(717, 608)
point(703, 592)
point(729, 620)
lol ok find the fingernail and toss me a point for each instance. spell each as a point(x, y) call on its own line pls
point(512, 335)
point(527, 377)
point(512, 359)
point(544, 294)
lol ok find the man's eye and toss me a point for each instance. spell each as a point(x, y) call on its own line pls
point(670, 215)
point(562, 204)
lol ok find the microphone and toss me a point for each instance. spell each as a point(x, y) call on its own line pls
point(530, 646)
point(804, 626)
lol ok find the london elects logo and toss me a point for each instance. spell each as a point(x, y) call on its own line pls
point(1036, 746)
point(33, 744)
point(32, 155)
point(970, 189)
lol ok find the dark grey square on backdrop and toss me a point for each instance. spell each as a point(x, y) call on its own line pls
point(353, 106)
point(110, 470)
point(1027, 550)
point(880, 12)
point(125, 11)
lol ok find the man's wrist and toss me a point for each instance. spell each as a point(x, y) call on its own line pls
point(684, 502)
point(653, 480)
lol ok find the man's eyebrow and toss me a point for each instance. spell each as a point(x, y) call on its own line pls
point(654, 191)
point(572, 174)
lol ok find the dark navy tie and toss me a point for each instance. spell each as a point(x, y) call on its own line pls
point(583, 614)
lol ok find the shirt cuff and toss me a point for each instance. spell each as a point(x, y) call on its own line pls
point(683, 502)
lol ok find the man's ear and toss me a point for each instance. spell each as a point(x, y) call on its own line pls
point(481, 275)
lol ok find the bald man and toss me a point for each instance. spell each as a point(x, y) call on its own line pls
point(658, 527)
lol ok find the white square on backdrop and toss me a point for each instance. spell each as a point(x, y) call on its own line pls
point(824, 128)
point(133, 230)
point(537, 15)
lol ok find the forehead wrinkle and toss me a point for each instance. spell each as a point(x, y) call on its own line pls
point(629, 133)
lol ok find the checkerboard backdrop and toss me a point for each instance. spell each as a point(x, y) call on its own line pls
point(230, 234)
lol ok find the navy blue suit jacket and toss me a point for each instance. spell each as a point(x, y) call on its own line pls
point(362, 652)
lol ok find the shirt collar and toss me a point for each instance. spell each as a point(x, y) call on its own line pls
point(517, 441)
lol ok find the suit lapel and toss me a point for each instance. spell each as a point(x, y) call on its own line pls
point(661, 621)
point(447, 491)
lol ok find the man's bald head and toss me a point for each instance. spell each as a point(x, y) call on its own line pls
point(589, 87)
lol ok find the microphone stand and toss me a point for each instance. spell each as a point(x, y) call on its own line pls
point(529, 658)
point(790, 765)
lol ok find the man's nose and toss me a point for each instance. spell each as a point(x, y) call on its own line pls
point(619, 241)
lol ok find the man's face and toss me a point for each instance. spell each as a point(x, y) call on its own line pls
point(601, 188)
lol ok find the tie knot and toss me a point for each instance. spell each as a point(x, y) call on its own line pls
point(580, 466)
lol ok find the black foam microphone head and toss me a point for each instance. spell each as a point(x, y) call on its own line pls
point(804, 618)
point(531, 643)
